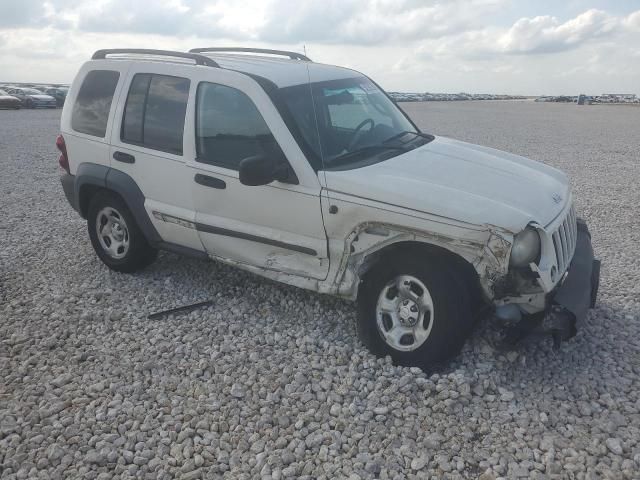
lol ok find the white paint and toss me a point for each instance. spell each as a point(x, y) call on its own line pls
point(451, 179)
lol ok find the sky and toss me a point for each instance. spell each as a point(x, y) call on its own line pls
point(537, 47)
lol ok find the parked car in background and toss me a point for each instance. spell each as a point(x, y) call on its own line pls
point(9, 101)
point(32, 98)
point(59, 93)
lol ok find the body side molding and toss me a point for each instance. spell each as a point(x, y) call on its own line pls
point(201, 227)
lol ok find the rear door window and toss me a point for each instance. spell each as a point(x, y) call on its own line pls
point(93, 103)
point(155, 111)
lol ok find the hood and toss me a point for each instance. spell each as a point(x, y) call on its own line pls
point(8, 97)
point(41, 97)
point(461, 181)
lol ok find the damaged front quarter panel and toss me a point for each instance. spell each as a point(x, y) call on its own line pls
point(492, 265)
point(486, 250)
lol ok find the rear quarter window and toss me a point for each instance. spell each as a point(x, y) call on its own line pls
point(91, 108)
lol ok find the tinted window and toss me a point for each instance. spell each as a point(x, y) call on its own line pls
point(134, 109)
point(91, 110)
point(155, 111)
point(229, 128)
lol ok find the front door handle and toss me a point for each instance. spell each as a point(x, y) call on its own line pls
point(124, 157)
point(208, 181)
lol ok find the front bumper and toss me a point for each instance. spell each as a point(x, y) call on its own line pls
point(568, 305)
point(44, 103)
point(10, 104)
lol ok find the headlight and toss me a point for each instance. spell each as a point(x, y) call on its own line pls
point(526, 248)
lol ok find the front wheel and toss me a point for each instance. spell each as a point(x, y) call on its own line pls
point(418, 312)
point(115, 235)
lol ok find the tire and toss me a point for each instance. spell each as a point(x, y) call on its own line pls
point(122, 247)
point(429, 334)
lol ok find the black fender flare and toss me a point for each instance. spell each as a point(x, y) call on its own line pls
point(91, 174)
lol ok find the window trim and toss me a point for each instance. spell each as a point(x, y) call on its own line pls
point(144, 114)
point(144, 111)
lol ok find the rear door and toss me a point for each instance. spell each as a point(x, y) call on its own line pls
point(147, 145)
point(277, 226)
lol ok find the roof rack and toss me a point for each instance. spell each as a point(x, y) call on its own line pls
point(199, 59)
point(291, 55)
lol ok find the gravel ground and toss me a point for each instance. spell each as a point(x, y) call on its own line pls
point(272, 382)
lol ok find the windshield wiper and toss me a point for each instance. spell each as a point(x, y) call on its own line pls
point(406, 132)
point(366, 149)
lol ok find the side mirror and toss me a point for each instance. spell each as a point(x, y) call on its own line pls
point(262, 170)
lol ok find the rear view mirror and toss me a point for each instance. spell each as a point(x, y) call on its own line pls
point(256, 170)
point(262, 170)
point(342, 98)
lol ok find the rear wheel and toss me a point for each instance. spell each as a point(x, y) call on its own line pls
point(115, 236)
point(418, 312)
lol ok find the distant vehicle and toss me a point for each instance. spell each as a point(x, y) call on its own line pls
point(32, 98)
point(59, 93)
point(583, 99)
point(9, 101)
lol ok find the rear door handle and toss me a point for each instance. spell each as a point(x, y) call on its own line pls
point(124, 157)
point(208, 181)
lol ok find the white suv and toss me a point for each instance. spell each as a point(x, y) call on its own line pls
point(310, 175)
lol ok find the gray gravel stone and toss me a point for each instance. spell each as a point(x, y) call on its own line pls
point(614, 445)
point(419, 462)
point(95, 457)
point(54, 452)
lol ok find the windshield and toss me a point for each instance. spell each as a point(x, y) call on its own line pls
point(350, 123)
point(2, 92)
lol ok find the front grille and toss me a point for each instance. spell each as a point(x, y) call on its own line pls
point(564, 240)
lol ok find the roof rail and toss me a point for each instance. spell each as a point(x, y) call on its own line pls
point(291, 55)
point(199, 59)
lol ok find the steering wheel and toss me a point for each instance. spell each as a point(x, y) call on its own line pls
point(357, 134)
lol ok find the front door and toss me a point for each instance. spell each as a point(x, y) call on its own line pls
point(277, 226)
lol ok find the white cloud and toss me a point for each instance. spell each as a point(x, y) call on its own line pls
point(374, 23)
point(546, 34)
point(632, 22)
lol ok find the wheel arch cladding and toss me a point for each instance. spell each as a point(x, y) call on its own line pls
point(91, 178)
